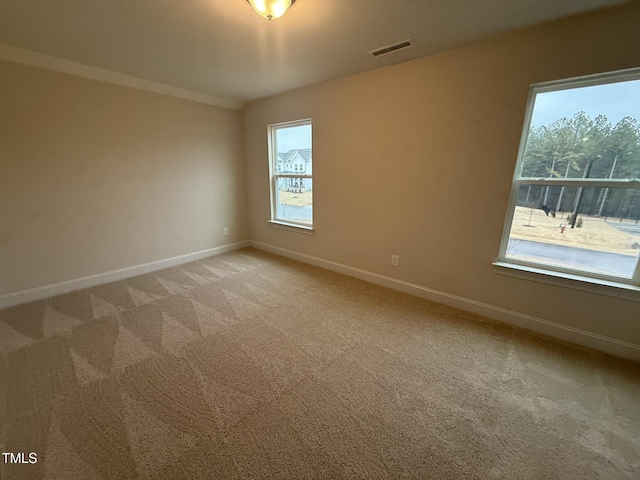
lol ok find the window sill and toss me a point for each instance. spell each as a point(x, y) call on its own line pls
point(568, 280)
point(292, 227)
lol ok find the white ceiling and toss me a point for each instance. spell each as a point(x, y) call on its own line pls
point(223, 49)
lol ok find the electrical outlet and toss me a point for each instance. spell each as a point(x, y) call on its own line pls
point(225, 231)
point(395, 260)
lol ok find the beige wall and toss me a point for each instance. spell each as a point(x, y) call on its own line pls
point(96, 177)
point(417, 159)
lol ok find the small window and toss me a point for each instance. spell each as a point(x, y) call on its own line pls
point(291, 193)
point(575, 198)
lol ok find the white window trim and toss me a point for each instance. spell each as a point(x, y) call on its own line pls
point(306, 229)
point(274, 176)
point(628, 289)
point(569, 280)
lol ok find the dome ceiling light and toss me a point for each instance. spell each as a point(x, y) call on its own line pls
point(271, 9)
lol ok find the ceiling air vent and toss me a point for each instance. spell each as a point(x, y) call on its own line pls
point(391, 48)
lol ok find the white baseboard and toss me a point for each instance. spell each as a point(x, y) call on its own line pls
point(38, 293)
point(585, 338)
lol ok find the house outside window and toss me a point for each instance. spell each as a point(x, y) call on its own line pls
point(574, 209)
point(291, 180)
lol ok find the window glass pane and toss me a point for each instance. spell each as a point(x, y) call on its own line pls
point(294, 200)
point(605, 238)
point(292, 155)
point(293, 149)
point(583, 129)
point(590, 131)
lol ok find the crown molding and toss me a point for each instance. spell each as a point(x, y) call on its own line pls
point(27, 57)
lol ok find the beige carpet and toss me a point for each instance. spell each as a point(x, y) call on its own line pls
point(247, 365)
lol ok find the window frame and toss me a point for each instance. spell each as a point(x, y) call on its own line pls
point(557, 274)
point(275, 175)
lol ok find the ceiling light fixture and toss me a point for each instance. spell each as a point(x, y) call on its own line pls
point(271, 9)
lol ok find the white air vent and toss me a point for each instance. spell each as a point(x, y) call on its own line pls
point(391, 48)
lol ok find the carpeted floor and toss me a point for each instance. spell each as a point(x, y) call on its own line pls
point(248, 365)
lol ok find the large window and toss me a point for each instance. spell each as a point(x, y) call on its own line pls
point(290, 167)
point(575, 199)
